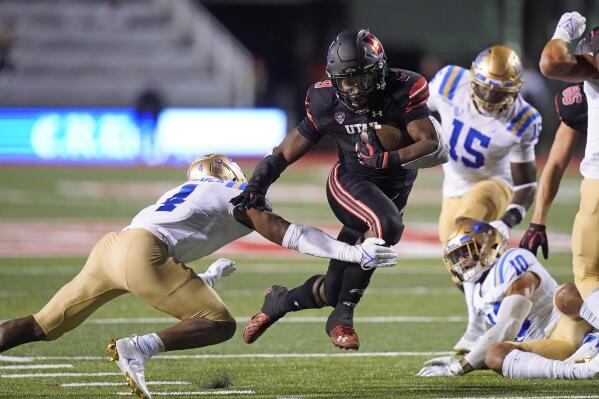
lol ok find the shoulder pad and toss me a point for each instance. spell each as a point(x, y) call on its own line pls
point(526, 118)
point(511, 265)
point(446, 81)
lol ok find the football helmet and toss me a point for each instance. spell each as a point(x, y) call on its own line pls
point(216, 165)
point(472, 248)
point(356, 65)
point(496, 80)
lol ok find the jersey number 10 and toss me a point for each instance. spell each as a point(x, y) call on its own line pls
point(472, 137)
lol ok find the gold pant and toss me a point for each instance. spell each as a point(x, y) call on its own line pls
point(486, 200)
point(130, 261)
point(585, 239)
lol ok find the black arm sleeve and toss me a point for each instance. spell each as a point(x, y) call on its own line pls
point(267, 172)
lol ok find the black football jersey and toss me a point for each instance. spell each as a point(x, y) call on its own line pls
point(571, 107)
point(403, 100)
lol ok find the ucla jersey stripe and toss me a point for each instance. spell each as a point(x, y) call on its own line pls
point(530, 119)
point(230, 184)
point(243, 186)
point(519, 116)
point(445, 78)
point(499, 278)
point(455, 83)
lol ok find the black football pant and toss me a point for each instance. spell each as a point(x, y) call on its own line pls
point(362, 204)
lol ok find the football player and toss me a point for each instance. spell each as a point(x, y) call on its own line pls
point(512, 291)
point(571, 107)
point(491, 131)
point(558, 62)
point(368, 187)
point(148, 257)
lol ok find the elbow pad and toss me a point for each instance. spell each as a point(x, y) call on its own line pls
point(511, 315)
point(437, 157)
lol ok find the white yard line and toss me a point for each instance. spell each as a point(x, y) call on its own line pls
point(118, 384)
point(194, 393)
point(529, 397)
point(36, 366)
point(15, 359)
point(251, 356)
point(52, 375)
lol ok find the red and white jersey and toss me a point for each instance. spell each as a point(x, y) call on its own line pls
point(480, 147)
point(195, 218)
point(589, 167)
point(489, 293)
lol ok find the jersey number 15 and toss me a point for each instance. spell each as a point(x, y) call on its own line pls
point(472, 137)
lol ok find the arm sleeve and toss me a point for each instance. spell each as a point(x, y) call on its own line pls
point(571, 107)
point(309, 240)
point(437, 157)
point(511, 315)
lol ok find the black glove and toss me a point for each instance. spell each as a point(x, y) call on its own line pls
point(250, 197)
point(534, 237)
point(370, 152)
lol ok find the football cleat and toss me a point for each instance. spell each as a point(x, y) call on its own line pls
point(126, 356)
point(273, 308)
point(587, 350)
point(345, 337)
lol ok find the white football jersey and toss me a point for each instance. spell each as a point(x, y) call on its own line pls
point(195, 218)
point(480, 147)
point(510, 266)
point(589, 167)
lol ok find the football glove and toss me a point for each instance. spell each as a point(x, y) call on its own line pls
point(534, 238)
point(223, 267)
point(374, 254)
point(371, 154)
point(441, 367)
point(251, 197)
point(571, 26)
point(501, 227)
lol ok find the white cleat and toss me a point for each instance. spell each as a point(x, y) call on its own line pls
point(124, 353)
point(587, 350)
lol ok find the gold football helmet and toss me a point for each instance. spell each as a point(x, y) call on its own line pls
point(472, 248)
point(496, 79)
point(215, 165)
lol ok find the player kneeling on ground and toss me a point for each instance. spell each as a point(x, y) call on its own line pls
point(513, 292)
point(147, 258)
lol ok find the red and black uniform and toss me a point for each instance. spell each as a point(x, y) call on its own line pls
point(571, 107)
point(363, 198)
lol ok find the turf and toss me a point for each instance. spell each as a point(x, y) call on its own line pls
point(416, 288)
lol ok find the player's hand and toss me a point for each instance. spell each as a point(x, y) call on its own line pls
point(571, 26)
point(534, 238)
point(375, 254)
point(223, 267)
point(370, 153)
point(452, 369)
point(439, 361)
point(502, 228)
point(250, 197)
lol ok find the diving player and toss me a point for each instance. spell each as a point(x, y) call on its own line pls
point(368, 188)
point(491, 131)
point(512, 291)
point(147, 258)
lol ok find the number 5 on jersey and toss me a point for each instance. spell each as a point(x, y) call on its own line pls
point(473, 136)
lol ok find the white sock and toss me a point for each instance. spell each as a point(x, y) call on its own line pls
point(148, 345)
point(519, 364)
point(590, 309)
point(475, 326)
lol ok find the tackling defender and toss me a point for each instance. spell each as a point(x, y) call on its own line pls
point(368, 188)
point(513, 292)
point(147, 258)
point(491, 131)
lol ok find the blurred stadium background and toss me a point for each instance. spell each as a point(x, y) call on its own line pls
point(103, 103)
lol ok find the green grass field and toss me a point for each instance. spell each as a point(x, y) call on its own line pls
point(419, 313)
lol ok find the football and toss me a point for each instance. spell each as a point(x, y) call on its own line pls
point(392, 138)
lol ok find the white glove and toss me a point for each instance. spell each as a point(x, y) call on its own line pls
point(571, 26)
point(450, 369)
point(374, 254)
point(502, 228)
point(223, 267)
point(588, 350)
point(439, 361)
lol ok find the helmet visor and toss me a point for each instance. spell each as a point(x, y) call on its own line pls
point(492, 95)
point(356, 85)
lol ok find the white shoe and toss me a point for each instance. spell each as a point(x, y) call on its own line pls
point(223, 267)
point(124, 353)
point(587, 350)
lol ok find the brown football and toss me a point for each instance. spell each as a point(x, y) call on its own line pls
point(392, 138)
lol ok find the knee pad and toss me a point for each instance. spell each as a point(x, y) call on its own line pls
point(568, 301)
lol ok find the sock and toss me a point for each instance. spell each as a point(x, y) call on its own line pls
point(355, 281)
point(519, 364)
point(148, 345)
point(590, 309)
point(309, 295)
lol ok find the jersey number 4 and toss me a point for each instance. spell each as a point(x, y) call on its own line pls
point(171, 203)
point(473, 136)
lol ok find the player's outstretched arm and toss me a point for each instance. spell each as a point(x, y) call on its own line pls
point(557, 62)
point(557, 162)
point(429, 148)
point(268, 170)
point(312, 241)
